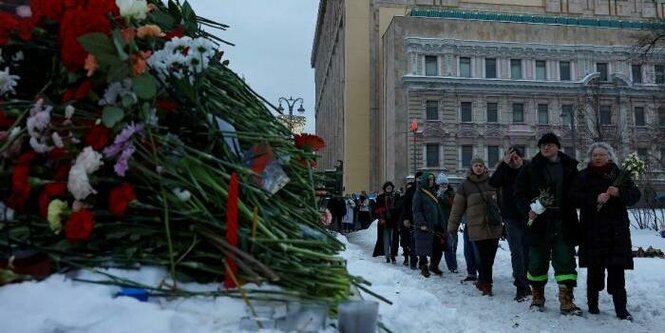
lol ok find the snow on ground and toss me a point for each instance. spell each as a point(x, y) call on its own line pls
point(420, 305)
point(442, 303)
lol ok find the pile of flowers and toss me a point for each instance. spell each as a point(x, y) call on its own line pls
point(126, 140)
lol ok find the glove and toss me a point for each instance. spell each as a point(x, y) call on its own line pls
point(407, 223)
point(423, 228)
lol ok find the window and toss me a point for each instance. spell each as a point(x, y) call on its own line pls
point(661, 116)
point(543, 114)
point(465, 67)
point(639, 116)
point(465, 111)
point(492, 113)
point(566, 115)
point(541, 70)
point(492, 156)
point(431, 66)
point(432, 110)
point(564, 70)
point(490, 68)
point(518, 113)
point(660, 74)
point(601, 67)
point(515, 69)
point(637, 73)
point(605, 115)
point(432, 155)
point(467, 154)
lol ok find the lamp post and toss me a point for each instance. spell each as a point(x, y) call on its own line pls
point(291, 120)
point(414, 128)
point(571, 113)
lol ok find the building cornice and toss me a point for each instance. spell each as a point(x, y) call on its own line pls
point(419, 82)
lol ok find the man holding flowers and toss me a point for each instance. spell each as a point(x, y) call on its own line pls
point(603, 192)
point(553, 233)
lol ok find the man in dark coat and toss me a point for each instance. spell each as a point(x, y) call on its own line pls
point(554, 233)
point(428, 226)
point(515, 222)
point(406, 226)
point(606, 241)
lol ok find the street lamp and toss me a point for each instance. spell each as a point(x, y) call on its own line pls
point(295, 123)
point(569, 111)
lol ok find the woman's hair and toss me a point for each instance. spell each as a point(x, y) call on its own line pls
point(386, 184)
point(604, 145)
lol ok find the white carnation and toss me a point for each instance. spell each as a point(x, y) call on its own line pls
point(137, 9)
point(78, 183)
point(89, 160)
point(7, 81)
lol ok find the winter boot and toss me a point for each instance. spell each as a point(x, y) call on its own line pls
point(486, 288)
point(387, 260)
point(469, 278)
point(393, 260)
point(566, 298)
point(522, 295)
point(592, 301)
point(414, 263)
point(538, 301)
point(619, 298)
point(435, 270)
point(424, 271)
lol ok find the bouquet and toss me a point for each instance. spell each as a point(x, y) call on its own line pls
point(126, 140)
point(631, 168)
point(541, 203)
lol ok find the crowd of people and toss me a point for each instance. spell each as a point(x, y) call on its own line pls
point(426, 219)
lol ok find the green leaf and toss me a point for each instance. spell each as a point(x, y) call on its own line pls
point(119, 43)
point(101, 46)
point(118, 72)
point(163, 20)
point(112, 115)
point(145, 86)
point(128, 100)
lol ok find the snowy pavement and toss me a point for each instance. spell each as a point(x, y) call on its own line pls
point(438, 304)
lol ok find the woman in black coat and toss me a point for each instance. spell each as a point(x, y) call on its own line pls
point(605, 241)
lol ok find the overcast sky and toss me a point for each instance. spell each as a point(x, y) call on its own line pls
point(273, 41)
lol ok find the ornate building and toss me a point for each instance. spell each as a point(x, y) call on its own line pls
point(476, 77)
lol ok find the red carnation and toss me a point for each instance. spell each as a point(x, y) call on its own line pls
point(119, 199)
point(76, 23)
point(97, 137)
point(62, 171)
point(79, 226)
point(77, 93)
point(309, 142)
point(5, 122)
point(57, 153)
point(51, 9)
point(179, 31)
point(8, 23)
point(20, 188)
point(49, 192)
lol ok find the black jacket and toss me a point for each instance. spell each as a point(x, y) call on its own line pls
point(606, 233)
point(407, 203)
point(530, 180)
point(504, 177)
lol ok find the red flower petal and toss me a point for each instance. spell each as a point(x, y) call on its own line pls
point(119, 199)
point(79, 226)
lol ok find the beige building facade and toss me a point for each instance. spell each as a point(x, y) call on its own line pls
point(476, 77)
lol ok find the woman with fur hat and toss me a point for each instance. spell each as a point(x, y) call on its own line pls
point(473, 198)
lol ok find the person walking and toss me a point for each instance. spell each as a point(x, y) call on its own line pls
point(473, 198)
point(406, 225)
point(363, 210)
point(554, 233)
point(605, 245)
point(504, 178)
point(428, 226)
point(446, 194)
point(348, 219)
point(386, 211)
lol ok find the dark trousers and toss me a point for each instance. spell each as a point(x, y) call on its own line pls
point(562, 255)
point(364, 219)
point(519, 253)
point(405, 240)
point(470, 255)
point(616, 280)
point(487, 253)
point(451, 252)
point(437, 254)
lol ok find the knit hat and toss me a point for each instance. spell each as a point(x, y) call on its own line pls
point(441, 178)
point(477, 159)
point(549, 138)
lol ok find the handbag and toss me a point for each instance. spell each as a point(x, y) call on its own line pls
point(493, 211)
